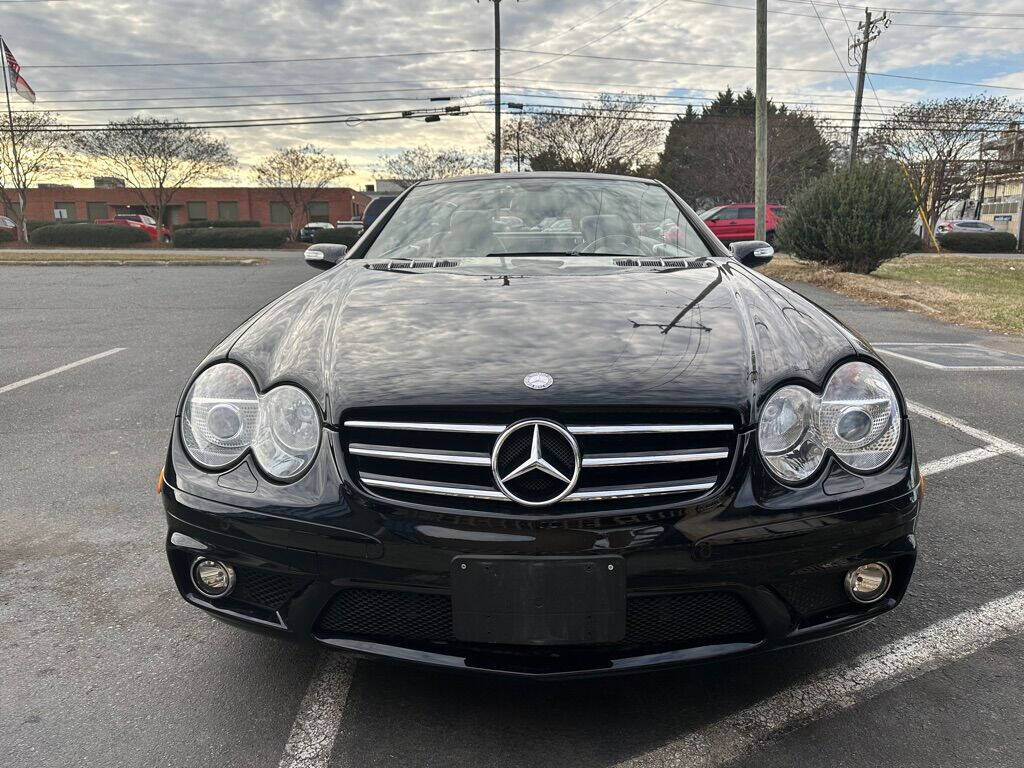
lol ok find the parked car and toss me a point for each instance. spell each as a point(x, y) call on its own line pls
point(10, 226)
point(964, 225)
point(308, 232)
point(139, 221)
point(735, 221)
point(375, 208)
point(542, 452)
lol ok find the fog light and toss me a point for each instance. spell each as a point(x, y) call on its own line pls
point(212, 577)
point(868, 583)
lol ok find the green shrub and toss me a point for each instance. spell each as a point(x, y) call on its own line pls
point(7, 236)
point(236, 237)
point(852, 220)
point(344, 235)
point(34, 224)
point(978, 242)
point(217, 223)
point(89, 235)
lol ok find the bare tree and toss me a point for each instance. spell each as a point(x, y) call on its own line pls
point(298, 174)
point(615, 134)
point(937, 142)
point(155, 157)
point(38, 150)
point(423, 162)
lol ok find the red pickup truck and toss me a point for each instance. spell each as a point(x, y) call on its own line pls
point(735, 221)
point(139, 221)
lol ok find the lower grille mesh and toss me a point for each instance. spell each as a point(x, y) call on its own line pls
point(651, 620)
point(266, 589)
point(814, 594)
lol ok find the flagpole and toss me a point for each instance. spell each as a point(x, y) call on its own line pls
point(14, 146)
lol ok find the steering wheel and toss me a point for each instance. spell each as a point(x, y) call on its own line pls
point(594, 244)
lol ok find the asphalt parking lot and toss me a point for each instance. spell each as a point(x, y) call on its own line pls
point(102, 664)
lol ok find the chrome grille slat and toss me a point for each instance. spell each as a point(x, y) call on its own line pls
point(466, 458)
point(668, 457)
point(430, 486)
point(426, 426)
point(647, 429)
point(620, 457)
point(479, 492)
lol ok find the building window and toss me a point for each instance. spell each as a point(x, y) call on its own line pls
point(62, 211)
point(317, 210)
point(279, 214)
point(96, 211)
point(197, 211)
point(357, 210)
point(227, 210)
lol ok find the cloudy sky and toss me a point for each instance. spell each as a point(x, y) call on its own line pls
point(223, 60)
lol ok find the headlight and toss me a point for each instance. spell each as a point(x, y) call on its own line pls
point(856, 417)
point(224, 415)
point(859, 417)
point(288, 433)
point(220, 415)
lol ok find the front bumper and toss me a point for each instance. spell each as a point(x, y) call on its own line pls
point(373, 579)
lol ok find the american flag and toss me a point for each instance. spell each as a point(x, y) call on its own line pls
point(21, 86)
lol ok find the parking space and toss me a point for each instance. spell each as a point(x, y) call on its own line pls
point(103, 664)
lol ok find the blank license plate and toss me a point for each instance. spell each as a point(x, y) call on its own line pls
point(539, 601)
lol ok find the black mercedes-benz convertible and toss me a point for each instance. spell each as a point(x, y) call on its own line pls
point(543, 425)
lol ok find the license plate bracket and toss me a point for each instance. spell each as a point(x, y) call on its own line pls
point(539, 600)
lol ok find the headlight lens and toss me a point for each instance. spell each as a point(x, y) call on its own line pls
point(859, 417)
point(787, 435)
point(856, 417)
point(288, 434)
point(220, 415)
point(224, 415)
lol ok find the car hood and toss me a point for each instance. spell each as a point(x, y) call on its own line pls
point(712, 337)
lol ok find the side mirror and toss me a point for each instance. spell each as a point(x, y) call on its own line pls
point(325, 255)
point(752, 253)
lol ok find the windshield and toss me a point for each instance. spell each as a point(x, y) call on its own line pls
point(542, 216)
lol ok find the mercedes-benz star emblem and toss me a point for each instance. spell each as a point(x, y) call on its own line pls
point(536, 462)
point(537, 380)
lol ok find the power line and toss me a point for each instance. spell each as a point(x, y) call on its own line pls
point(777, 69)
point(929, 11)
point(833, 18)
point(226, 62)
point(597, 39)
point(832, 45)
point(232, 106)
point(579, 24)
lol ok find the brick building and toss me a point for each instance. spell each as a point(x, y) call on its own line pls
point(56, 202)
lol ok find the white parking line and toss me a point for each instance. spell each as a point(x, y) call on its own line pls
point(998, 443)
point(844, 686)
point(60, 369)
point(959, 459)
point(318, 721)
point(316, 726)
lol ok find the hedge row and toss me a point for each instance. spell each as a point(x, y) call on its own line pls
point(343, 235)
point(236, 237)
point(217, 223)
point(89, 235)
point(978, 242)
point(34, 224)
point(7, 236)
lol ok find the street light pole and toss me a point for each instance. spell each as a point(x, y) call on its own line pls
point(761, 121)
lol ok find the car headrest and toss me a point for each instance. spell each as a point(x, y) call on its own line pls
point(605, 225)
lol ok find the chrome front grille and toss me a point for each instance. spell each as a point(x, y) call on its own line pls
point(626, 460)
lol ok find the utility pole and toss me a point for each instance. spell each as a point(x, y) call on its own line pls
point(984, 176)
point(761, 121)
point(858, 49)
point(497, 85)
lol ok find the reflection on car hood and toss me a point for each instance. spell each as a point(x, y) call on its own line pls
point(711, 337)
